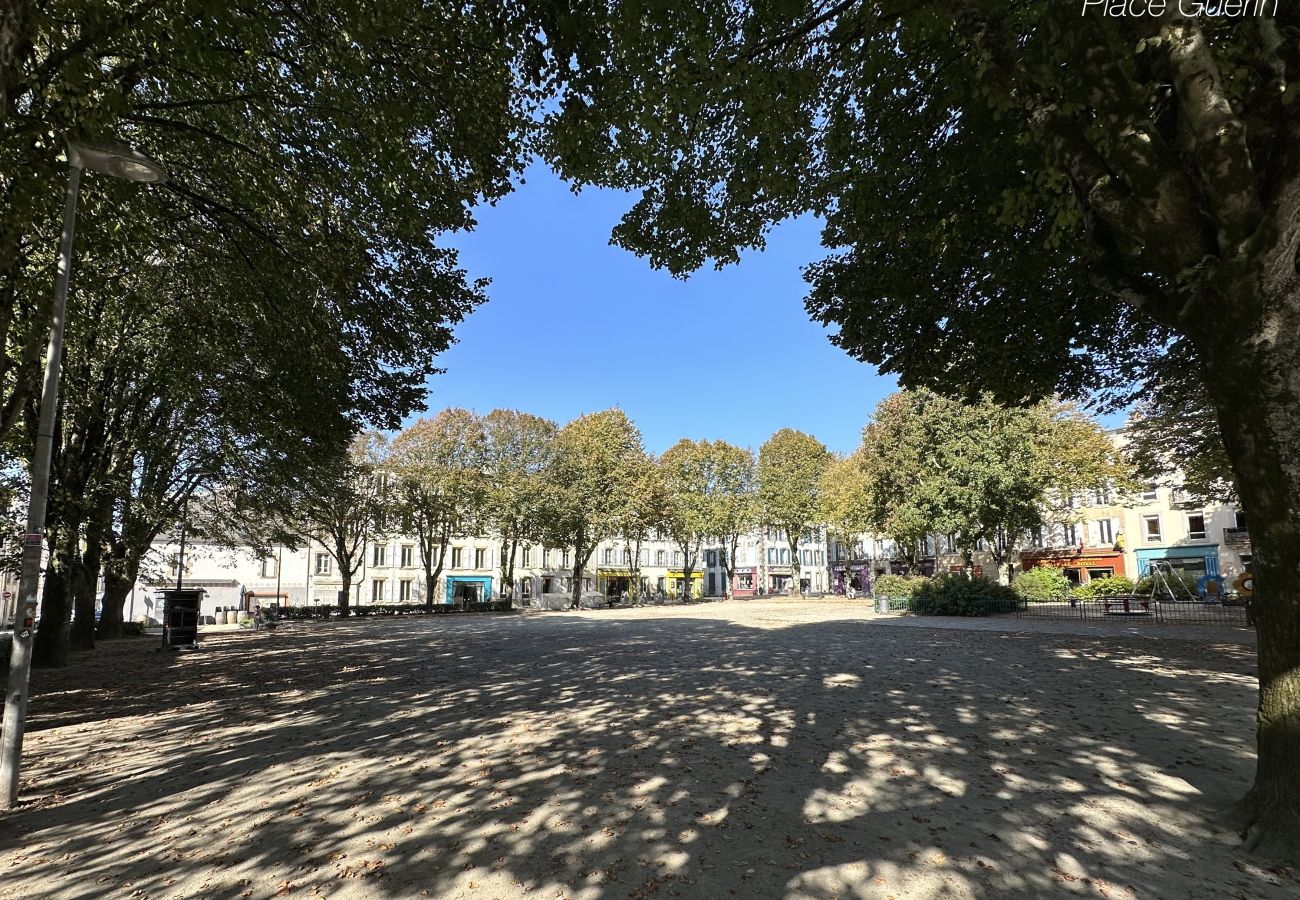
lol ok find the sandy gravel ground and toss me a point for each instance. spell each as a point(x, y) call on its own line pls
point(747, 749)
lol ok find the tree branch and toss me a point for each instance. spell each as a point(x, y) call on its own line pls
point(1218, 134)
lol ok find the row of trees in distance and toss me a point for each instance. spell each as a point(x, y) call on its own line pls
point(926, 465)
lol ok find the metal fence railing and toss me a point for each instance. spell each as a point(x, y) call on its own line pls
point(1140, 609)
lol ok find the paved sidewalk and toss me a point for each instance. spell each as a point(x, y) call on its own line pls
point(773, 750)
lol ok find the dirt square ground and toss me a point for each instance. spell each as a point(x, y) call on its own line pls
point(782, 749)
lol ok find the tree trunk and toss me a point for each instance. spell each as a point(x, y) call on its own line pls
point(85, 577)
point(509, 547)
point(117, 587)
point(730, 567)
point(576, 584)
point(688, 569)
point(1255, 386)
point(84, 581)
point(634, 573)
point(426, 557)
point(579, 563)
point(345, 595)
point(794, 562)
point(432, 586)
point(50, 646)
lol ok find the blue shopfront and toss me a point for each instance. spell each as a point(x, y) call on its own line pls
point(1195, 561)
point(468, 588)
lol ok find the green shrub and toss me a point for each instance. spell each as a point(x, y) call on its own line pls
point(315, 611)
point(957, 595)
point(1041, 584)
point(897, 585)
point(1109, 586)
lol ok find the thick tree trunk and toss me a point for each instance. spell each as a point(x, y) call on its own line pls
point(85, 582)
point(1255, 386)
point(118, 579)
point(345, 595)
point(50, 646)
point(117, 588)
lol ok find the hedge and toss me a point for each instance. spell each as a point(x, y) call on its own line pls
point(325, 611)
point(957, 595)
point(1110, 586)
point(1041, 584)
point(897, 585)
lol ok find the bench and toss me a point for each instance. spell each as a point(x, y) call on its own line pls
point(1127, 605)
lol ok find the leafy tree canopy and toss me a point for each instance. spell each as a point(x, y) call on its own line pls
point(1005, 187)
point(790, 468)
point(316, 152)
point(1173, 435)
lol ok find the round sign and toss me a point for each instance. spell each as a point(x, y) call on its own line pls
point(1244, 583)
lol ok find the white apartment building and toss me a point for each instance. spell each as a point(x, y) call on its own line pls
point(1110, 536)
point(763, 564)
point(392, 571)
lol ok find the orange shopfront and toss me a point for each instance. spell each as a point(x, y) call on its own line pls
point(1079, 564)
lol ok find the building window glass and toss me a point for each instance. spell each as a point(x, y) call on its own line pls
point(1151, 528)
point(405, 589)
point(564, 559)
point(527, 557)
point(323, 563)
point(377, 590)
point(455, 557)
point(659, 557)
point(609, 556)
point(1196, 526)
point(1241, 518)
point(380, 555)
point(526, 587)
point(1071, 533)
point(1105, 532)
point(408, 556)
point(480, 558)
point(1149, 492)
point(268, 567)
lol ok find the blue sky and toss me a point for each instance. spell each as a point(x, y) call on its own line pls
point(574, 325)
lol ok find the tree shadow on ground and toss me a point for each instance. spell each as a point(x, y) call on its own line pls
point(587, 757)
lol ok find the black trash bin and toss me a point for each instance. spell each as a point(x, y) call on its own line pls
point(181, 616)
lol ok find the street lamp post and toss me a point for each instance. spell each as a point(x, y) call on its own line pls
point(119, 162)
point(180, 570)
